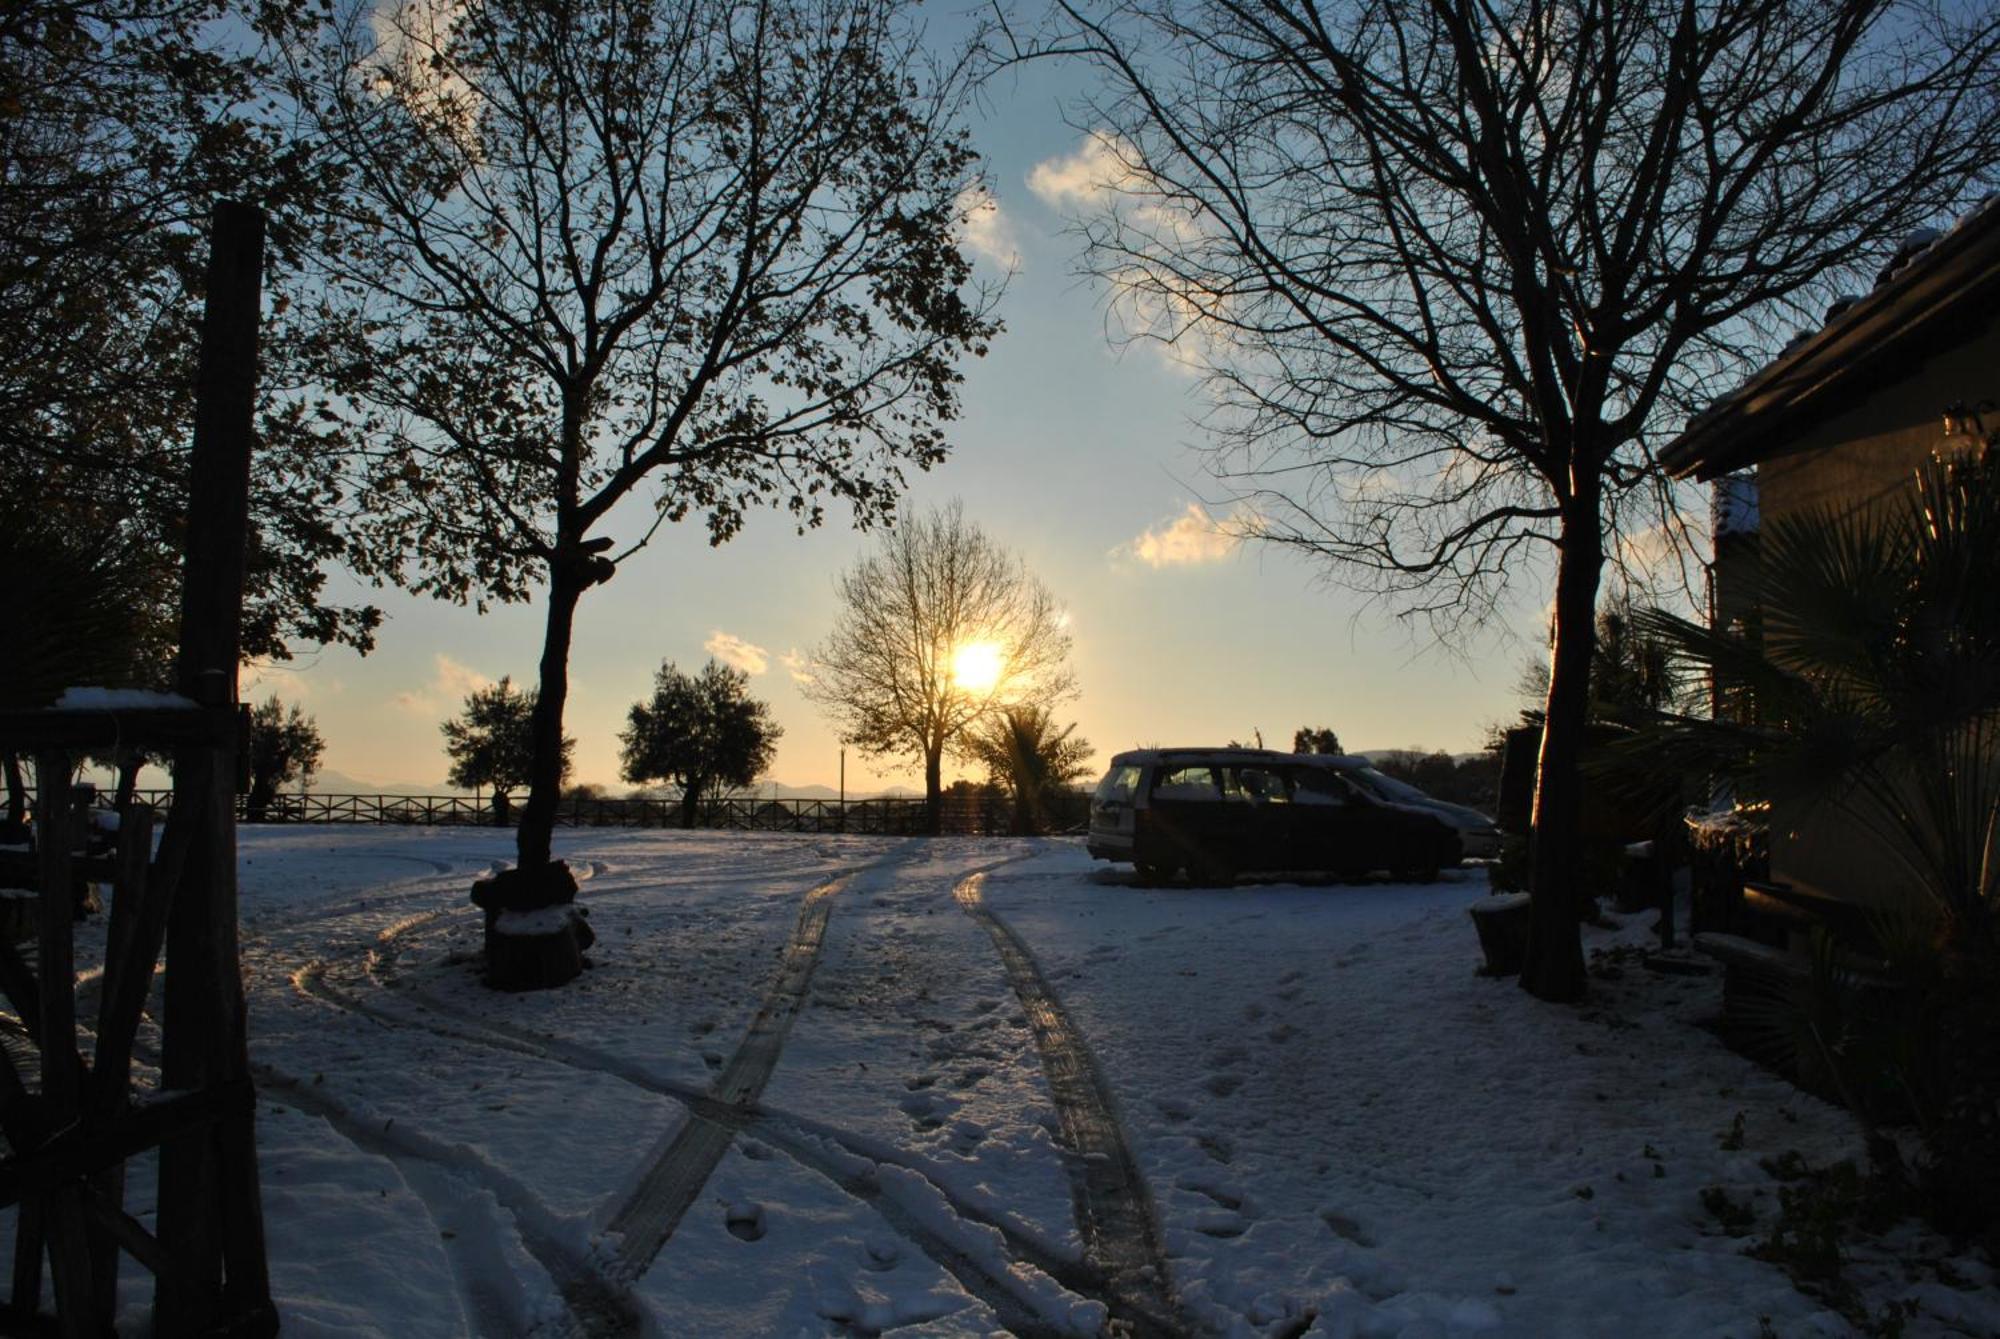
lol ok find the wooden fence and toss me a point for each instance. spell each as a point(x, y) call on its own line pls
point(979, 812)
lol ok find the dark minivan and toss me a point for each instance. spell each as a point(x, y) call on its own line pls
point(1217, 813)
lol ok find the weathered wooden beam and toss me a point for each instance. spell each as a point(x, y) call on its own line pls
point(105, 1219)
point(88, 730)
point(21, 989)
point(83, 1149)
point(130, 1234)
point(55, 824)
point(203, 1033)
point(129, 866)
point(26, 1299)
point(129, 979)
point(23, 869)
point(69, 1264)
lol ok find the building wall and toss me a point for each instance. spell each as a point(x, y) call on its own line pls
point(1865, 457)
point(1862, 460)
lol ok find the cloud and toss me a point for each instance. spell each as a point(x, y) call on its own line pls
point(733, 651)
point(287, 683)
point(1152, 294)
point(1188, 540)
point(411, 63)
point(1086, 179)
point(987, 230)
point(447, 690)
point(798, 665)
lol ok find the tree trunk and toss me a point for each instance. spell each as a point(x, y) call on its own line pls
point(690, 804)
point(1554, 969)
point(128, 779)
point(535, 839)
point(17, 792)
point(258, 802)
point(934, 789)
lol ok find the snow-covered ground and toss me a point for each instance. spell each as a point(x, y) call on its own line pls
point(1016, 1093)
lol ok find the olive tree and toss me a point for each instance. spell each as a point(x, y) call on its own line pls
point(491, 743)
point(696, 255)
point(285, 746)
point(699, 732)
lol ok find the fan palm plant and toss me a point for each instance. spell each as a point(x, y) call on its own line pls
point(1026, 752)
point(1871, 687)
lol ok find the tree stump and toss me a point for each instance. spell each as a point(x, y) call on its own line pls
point(1502, 922)
point(535, 932)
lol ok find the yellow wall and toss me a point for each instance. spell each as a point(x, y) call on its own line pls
point(1867, 455)
point(1864, 459)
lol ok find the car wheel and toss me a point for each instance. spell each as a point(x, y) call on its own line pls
point(1212, 873)
point(1418, 867)
point(1151, 874)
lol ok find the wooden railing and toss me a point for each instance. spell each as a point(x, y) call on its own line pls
point(980, 812)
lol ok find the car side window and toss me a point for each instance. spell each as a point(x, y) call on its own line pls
point(1257, 784)
point(1187, 783)
point(1322, 788)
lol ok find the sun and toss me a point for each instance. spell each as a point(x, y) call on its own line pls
point(975, 667)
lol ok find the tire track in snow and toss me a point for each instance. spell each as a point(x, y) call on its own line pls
point(599, 1306)
point(987, 1275)
point(826, 1151)
point(667, 1188)
point(1114, 1212)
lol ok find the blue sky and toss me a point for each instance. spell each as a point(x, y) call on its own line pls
point(1078, 456)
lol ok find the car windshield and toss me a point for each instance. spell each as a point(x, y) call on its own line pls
point(1118, 785)
point(1401, 792)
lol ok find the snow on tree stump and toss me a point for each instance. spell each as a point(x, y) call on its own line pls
point(535, 932)
point(1502, 922)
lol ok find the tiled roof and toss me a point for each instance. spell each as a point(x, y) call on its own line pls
point(1937, 288)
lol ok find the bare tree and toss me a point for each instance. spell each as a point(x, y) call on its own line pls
point(703, 250)
point(1453, 271)
point(939, 631)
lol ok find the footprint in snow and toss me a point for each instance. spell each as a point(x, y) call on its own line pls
point(1173, 1111)
point(745, 1221)
point(922, 1109)
point(1346, 1228)
point(966, 1135)
point(1217, 1147)
point(1222, 1085)
point(883, 1253)
point(1222, 1195)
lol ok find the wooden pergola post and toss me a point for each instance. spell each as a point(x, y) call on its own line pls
point(210, 1215)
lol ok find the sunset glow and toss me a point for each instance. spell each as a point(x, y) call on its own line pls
point(975, 667)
